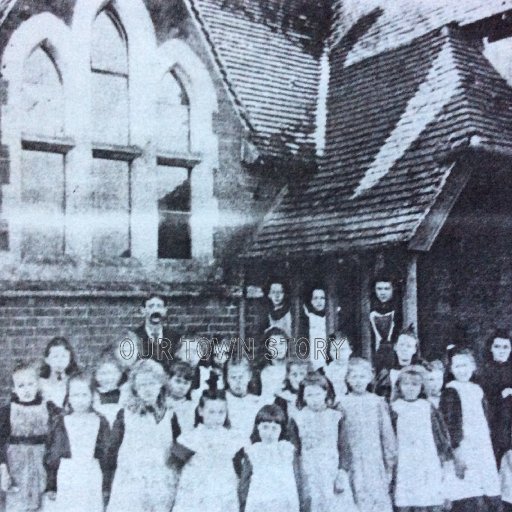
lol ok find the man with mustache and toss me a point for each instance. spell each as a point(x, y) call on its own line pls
point(154, 340)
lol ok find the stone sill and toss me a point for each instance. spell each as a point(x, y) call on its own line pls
point(9, 289)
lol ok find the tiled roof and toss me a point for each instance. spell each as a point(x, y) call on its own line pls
point(390, 118)
point(401, 21)
point(272, 77)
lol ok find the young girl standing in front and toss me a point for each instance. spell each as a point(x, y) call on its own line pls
point(204, 454)
point(178, 397)
point(462, 405)
point(368, 443)
point(108, 395)
point(140, 444)
point(59, 365)
point(76, 451)
point(273, 372)
point(296, 371)
point(269, 468)
point(318, 429)
point(405, 353)
point(338, 355)
point(423, 445)
point(23, 432)
point(434, 381)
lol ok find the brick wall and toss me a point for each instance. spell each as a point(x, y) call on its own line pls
point(91, 323)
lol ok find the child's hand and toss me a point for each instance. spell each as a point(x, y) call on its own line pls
point(5, 478)
point(340, 483)
point(51, 495)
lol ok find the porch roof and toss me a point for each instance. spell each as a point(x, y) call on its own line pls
point(397, 122)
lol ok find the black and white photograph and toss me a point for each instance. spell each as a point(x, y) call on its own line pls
point(255, 255)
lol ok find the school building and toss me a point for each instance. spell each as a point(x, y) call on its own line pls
point(190, 147)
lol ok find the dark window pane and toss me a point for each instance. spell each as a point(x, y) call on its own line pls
point(174, 236)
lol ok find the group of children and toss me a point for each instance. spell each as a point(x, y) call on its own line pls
point(230, 435)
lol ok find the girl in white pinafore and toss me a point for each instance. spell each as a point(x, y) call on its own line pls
point(462, 405)
point(423, 445)
point(204, 458)
point(142, 437)
point(76, 450)
point(269, 466)
point(318, 428)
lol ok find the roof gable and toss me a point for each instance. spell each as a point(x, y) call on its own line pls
point(396, 121)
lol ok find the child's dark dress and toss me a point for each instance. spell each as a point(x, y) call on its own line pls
point(23, 433)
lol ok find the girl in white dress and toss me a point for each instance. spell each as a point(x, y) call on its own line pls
point(463, 407)
point(178, 395)
point(273, 372)
point(269, 468)
point(338, 355)
point(423, 445)
point(204, 457)
point(76, 451)
point(108, 395)
point(318, 429)
point(59, 365)
point(140, 444)
point(296, 371)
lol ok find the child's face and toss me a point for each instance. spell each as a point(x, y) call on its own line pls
point(462, 367)
point(340, 350)
point(384, 291)
point(269, 432)
point(108, 376)
point(179, 386)
point(315, 397)
point(358, 379)
point(276, 294)
point(318, 300)
point(25, 385)
point(221, 353)
point(214, 413)
point(434, 382)
point(238, 380)
point(58, 359)
point(296, 375)
point(190, 352)
point(410, 386)
point(147, 387)
point(405, 348)
point(79, 396)
point(500, 349)
point(280, 344)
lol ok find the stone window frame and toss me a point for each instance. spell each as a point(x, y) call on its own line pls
point(72, 59)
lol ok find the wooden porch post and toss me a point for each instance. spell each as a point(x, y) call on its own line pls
point(365, 306)
point(242, 310)
point(410, 299)
point(331, 273)
point(295, 296)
